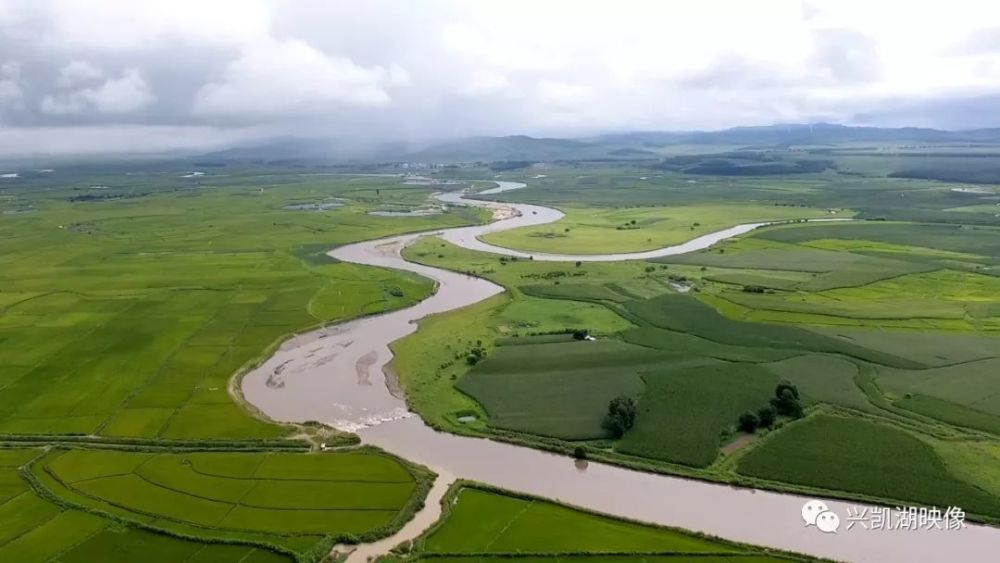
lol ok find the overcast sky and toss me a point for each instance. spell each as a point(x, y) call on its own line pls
point(145, 75)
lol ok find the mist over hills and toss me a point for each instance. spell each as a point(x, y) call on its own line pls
point(631, 146)
point(638, 145)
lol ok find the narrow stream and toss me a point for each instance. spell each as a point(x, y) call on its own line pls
point(335, 375)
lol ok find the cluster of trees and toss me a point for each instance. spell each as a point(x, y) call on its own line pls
point(785, 402)
point(476, 354)
point(104, 196)
point(502, 165)
point(743, 163)
point(621, 416)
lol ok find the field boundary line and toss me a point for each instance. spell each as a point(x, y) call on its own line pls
point(59, 511)
point(513, 519)
point(152, 376)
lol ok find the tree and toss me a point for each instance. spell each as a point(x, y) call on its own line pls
point(766, 416)
point(621, 416)
point(579, 263)
point(786, 399)
point(748, 422)
point(785, 384)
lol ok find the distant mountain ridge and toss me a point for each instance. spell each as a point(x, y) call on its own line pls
point(634, 145)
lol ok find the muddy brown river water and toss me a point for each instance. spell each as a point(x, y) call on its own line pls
point(335, 375)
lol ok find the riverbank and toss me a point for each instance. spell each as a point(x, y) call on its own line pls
point(331, 392)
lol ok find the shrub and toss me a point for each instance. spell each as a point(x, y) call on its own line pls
point(766, 416)
point(748, 422)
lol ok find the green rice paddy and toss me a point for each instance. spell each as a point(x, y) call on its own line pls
point(485, 524)
point(124, 319)
point(128, 317)
point(37, 529)
point(285, 500)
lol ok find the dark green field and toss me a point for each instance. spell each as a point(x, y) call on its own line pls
point(683, 411)
point(559, 389)
point(858, 456)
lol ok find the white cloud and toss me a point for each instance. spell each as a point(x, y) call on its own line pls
point(78, 72)
point(64, 104)
point(124, 25)
point(484, 83)
point(291, 76)
point(563, 96)
point(128, 93)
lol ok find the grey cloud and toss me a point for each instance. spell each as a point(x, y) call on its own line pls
point(970, 112)
point(124, 94)
point(11, 93)
point(385, 69)
point(734, 72)
point(78, 72)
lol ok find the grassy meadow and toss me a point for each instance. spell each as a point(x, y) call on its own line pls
point(588, 230)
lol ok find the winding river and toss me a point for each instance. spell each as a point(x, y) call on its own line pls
point(335, 375)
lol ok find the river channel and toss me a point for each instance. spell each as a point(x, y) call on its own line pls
point(335, 375)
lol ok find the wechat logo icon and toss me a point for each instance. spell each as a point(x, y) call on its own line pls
point(817, 513)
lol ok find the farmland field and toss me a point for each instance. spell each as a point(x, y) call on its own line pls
point(484, 524)
point(557, 389)
point(888, 323)
point(128, 304)
point(292, 501)
point(864, 457)
point(37, 530)
point(126, 310)
point(683, 411)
